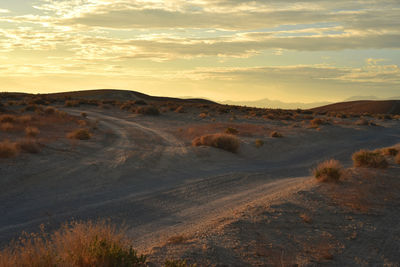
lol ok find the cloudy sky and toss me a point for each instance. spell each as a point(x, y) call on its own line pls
point(319, 50)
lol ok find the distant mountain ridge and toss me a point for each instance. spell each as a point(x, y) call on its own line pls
point(268, 103)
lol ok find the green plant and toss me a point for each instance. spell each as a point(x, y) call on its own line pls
point(328, 171)
point(365, 158)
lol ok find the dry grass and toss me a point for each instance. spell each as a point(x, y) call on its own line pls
point(148, 110)
point(328, 171)
point(6, 127)
point(389, 151)
point(222, 141)
point(29, 146)
point(77, 245)
point(31, 131)
point(80, 134)
point(276, 134)
point(259, 143)
point(8, 149)
point(365, 158)
point(397, 158)
point(231, 130)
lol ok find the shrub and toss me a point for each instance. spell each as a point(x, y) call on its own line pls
point(178, 263)
point(222, 141)
point(80, 134)
point(71, 103)
point(29, 146)
point(49, 110)
point(397, 158)
point(389, 151)
point(230, 130)
point(362, 122)
point(365, 158)
point(276, 134)
point(6, 127)
point(148, 110)
point(180, 109)
point(84, 114)
point(7, 118)
point(76, 244)
point(203, 115)
point(328, 171)
point(317, 122)
point(24, 119)
point(259, 143)
point(31, 131)
point(8, 149)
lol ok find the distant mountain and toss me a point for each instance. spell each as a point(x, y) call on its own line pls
point(363, 106)
point(268, 103)
point(371, 97)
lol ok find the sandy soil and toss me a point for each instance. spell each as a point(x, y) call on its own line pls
point(142, 171)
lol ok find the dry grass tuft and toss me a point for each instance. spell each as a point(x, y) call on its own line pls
point(389, 151)
point(148, 110)
point(31, 131)
point(328, 171)
point(6, 127)
point(80, 134)
point(8, 118)
point(259, 143)
point(231, 130)
point(397, 158)
point(77, 245)
point(8, 149)
point(226, 142)
point(276, 134)
point(365, 158)
point(29, 146)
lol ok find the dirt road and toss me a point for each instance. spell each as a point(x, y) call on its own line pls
point(135, 171)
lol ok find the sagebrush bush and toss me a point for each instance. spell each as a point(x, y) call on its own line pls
point(29, 146)
point(8, 118)
point(231, 130)
point(397, 158)
point(389, 151)
point(77, 244)
point(31, 131)
point(328, 171)
point(148, 110)
point(8, 149)
point(80, 134)
point(50, 110)
point(226, 142)
point(276, 134)
point(365, 158)
point(6, 127)
point(259, 143)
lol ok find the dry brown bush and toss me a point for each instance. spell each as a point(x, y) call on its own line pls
point(8, 149)
point(6, 127)
point(259, 143)
point(328, 171)
point(226, 142)
point(31, 131)
point(371, 159)
point(389, 151)
point(29, 146)
point(397, 158)
point(276, 134)
point(80, 134)
point(77, 245)
point(231, 130)
point(8, 118)
point(50, 110)
point(148, 110)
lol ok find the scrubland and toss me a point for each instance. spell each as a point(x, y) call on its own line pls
point(141, 181)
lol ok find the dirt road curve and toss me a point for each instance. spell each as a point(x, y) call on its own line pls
point(140, 174)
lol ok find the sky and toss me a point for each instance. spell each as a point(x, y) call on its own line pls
point(239, 50)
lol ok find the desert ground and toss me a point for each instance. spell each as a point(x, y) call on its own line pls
point(257, 206)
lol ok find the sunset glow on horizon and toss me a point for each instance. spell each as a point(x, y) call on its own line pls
point(240, 50)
